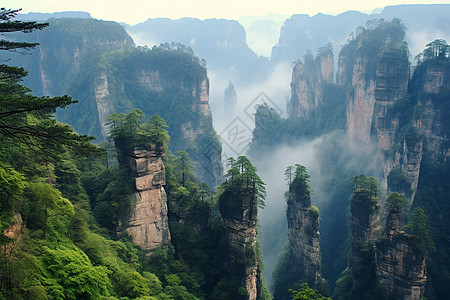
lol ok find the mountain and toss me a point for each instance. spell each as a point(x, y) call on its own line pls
point(394, 129)
point(34, 16)
point(222, 43)
point(96, 62)
point(302, 32)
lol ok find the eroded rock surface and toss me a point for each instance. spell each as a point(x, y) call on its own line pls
point(147, 223)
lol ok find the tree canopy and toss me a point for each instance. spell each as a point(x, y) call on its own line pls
point(242, 175)
point(396, 202)
point(435, 49)
point(306, 293)
point(127, 130)
point(417, 225)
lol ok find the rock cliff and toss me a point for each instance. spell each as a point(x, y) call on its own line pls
point(146, 220)
point(304, 237)
point(400, 270)
point(308, 80)
point(222, 43)
point(365, 218)
point(375, 68)
point(240, 223)
point(428, 132)
point(376, 83)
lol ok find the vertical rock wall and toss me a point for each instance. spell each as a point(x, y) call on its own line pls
point(308, 80)
point(304, 237)
point(147, 222)
point(240, 223)
point(400, 270)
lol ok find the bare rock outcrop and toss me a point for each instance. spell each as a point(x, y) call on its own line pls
point(147, 222)
point(400, 269)
point(304, 237)
point(308, 80)
point(240, 223)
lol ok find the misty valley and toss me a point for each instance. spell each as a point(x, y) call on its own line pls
point(169, 160)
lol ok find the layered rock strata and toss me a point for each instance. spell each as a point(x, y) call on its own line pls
point(240, 225)
point(308, 80)
point(147, 222)
point(400, 270)
point(304, 237)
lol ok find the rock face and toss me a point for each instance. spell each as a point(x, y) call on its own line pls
point(304, 237)
point(240, 223)
point(374, 90)
point(400, 270)
point(365, 221)
point(308, 80)
point(147, 222)
point(376, 85)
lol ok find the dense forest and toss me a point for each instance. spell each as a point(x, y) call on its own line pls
point(112, 182)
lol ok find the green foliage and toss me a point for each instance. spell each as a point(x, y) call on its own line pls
point(12, 184)
point(54, 253)
point(396, 202)
point(128, 131)
point(397, 181)
point(6, 25)
point(73, 272)
point(435, 49)
point(306, 293)
point(300, 183)
point(183, 166)
point(366, 189)
point(47, 210)
point(417, 225)
point(242, 178)
point(284, 278)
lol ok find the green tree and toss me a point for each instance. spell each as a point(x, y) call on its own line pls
point(27, 120)
point(184, 166)
point(396, 202)
point(365, 187)
point(288, 174)
point(417, 225)
point(8, 26)
point(128, 131)
point(242, 174)
point(306, 293)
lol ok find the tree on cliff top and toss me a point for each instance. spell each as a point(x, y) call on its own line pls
point(417, 225)
point(128, 130)
point(365, 188)
point(242, 176)
point(396, 202)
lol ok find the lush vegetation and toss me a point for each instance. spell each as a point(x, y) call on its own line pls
point(306, 293)
point(60, 200)
point(241, 178)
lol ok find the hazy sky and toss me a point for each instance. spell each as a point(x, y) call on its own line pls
point(136, 11)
